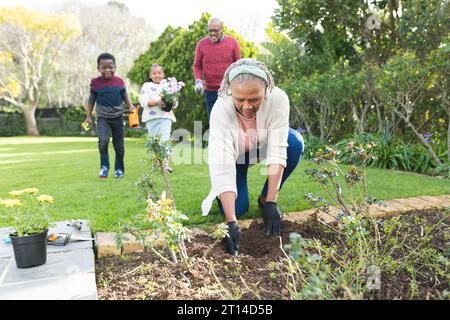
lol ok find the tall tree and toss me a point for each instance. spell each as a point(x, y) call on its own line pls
point(403, 83)
point(30, 43)
point(440, 77)
point(337, 27)
point(118, 32)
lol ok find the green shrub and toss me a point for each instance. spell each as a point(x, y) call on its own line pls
point(354, 250)
point(395, 154)
point(73, 113)
point(443, 170)
point(312, 145)
point(135, 132)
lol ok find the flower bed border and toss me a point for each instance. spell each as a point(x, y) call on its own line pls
point(106, 245)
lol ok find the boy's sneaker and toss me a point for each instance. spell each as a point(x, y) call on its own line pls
point(118, 173)
point(103, 174)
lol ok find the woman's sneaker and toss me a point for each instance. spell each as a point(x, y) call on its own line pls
point(103, 174)
point(118, 173)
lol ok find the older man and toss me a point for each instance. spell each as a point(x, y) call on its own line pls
point(213, 55)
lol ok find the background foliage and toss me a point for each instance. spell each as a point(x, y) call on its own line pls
point(174, 50)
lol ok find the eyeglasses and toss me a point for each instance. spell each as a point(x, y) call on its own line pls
point(213, 30)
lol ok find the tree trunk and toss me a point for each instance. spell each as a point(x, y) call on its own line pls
point(447, 109)
point(362, 119)
point(424, 142)
point(322, 121)
point(30, 121)
point(448, 135)
point(380, 119)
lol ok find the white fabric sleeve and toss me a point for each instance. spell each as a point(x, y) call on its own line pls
point(144, 96)
point(278, 130)
point(221, 153)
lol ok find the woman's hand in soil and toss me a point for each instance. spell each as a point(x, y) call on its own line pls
point(272, 216)
point(233, 238)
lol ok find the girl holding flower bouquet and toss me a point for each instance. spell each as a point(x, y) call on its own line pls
point(158, 98)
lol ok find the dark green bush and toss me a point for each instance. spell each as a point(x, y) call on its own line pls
point(396, 154)
point(312, 145)
point(443, 170)
point(73, 113)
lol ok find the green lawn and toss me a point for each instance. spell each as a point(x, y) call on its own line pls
point(67, 169)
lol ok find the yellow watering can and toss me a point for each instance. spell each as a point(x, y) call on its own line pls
point(133, 118)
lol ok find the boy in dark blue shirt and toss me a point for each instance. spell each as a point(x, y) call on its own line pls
point(108, 93)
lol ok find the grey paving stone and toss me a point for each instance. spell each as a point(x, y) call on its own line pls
point(59, 227)
point(69, 272)
point(3, 268)
point(70, 246)
point(60, 264)
point(78, 286)
point(5, 249)
point(62, 227)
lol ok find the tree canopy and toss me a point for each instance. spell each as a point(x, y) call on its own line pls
point(364, 66)
point(29, 47)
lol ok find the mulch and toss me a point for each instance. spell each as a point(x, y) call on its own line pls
point(254, 274)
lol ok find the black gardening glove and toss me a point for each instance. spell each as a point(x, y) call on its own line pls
point(272, 216)
point(233, 238)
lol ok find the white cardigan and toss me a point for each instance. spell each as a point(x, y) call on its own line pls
point(272, 124)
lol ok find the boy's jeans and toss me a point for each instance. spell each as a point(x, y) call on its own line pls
point(104, 126)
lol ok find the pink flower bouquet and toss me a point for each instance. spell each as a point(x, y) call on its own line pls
point(171, 90)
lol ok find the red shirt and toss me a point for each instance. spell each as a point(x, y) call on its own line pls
point(213, 59)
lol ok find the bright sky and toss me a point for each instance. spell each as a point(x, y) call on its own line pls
point(247, 17)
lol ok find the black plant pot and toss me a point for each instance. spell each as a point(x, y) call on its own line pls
point(30, 251)
point(168, 107)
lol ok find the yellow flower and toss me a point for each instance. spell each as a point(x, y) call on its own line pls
point(163, 201)
point(45, 198)
point(10, 203)
point(31, 190)
point(16, 193)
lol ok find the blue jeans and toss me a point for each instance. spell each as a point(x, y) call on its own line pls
point(210, 99)
point(104, 127)
point(159, 127)
point(294, 154)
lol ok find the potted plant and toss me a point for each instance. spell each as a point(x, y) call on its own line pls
point(171, 90)
point(26, 212)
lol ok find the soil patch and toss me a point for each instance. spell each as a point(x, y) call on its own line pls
point(256, 273)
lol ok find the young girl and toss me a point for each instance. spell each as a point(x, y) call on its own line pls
point(157, 121)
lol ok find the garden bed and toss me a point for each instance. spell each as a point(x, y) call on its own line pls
point(257, 272)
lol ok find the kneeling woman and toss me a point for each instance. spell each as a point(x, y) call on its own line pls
point(249, 123)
